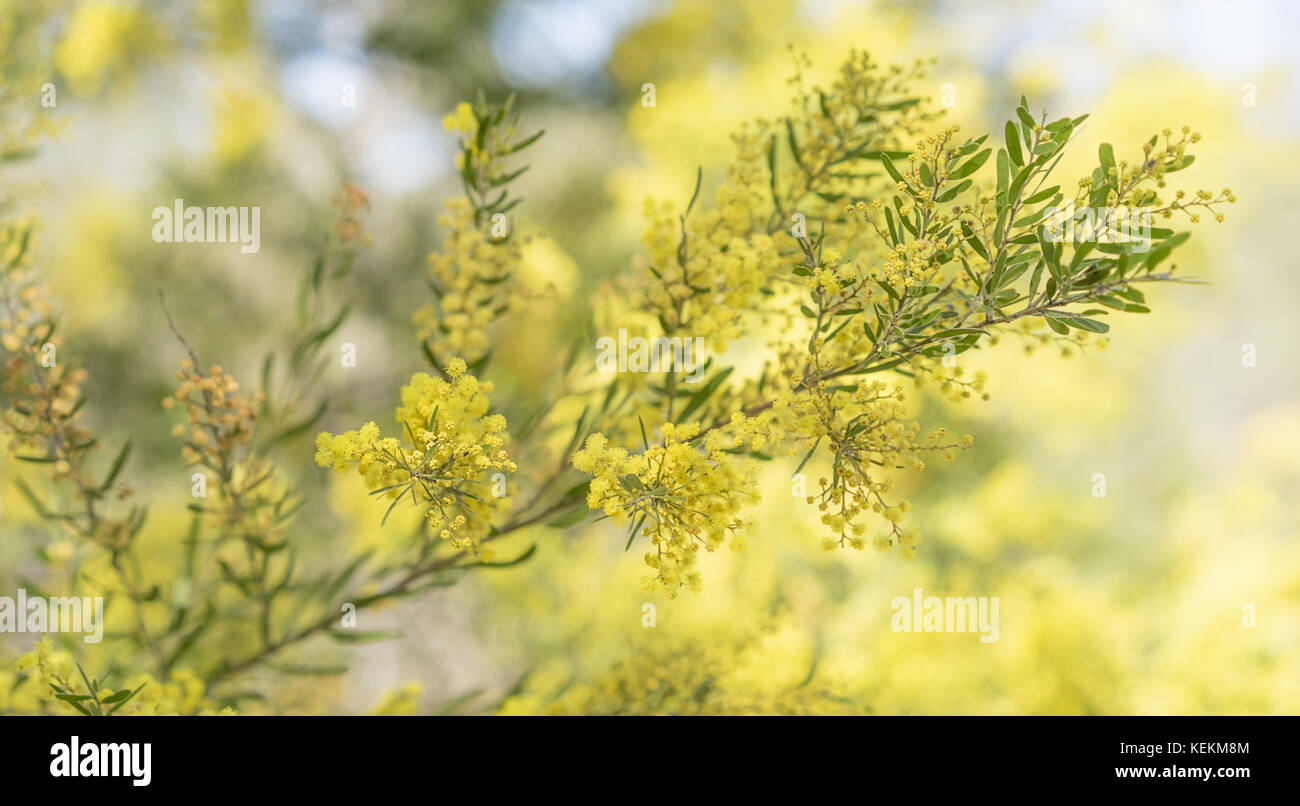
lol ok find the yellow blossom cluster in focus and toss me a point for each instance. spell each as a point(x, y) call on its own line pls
point(468, 270)
point(681, 496)
point(452, 446)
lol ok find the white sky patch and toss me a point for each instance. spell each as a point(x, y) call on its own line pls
point(544, 42)
point(404, 152)
point(315, 82)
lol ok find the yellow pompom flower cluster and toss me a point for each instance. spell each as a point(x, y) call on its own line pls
point(50, 665)
point(909, 265)
point(250, 494)
point(1139, 184)
point(866, 99)
point(219, 417)
point(182, 694)
point(682, 496)
point(48, 671)
point(483, 158)
point(42, 415)
point(710, 268)
point(468, 271)
point(950, 381)
point(480, 253)
point(452, 448)
point(877, 434)
point(42, 392)
point(351, 202)
point(462, 120)
point(867, 433)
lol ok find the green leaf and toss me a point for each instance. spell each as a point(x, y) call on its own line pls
point(118, 696)
point(522, 558)
point(971, 165)
point(701, 397)
point(1018, 182)
point(306, 670)
point(882, 154)
point(771, 168)
point(1032, 218)
point(129, 695)
point(894, 235)
point(347, 636)
point(1091, 325)
point(313, 341)
point(807, 456)
point(902, 219)
point(1106, 154)
point(1026, 119)
point(75, 702)
point(1004, 176)
point(568, 519)
point(1079, 254)
point(577, 431)
point(449, 707)
point(699, 177)
point(951, 193)
point(973, 241)
point(1043, 195)
point(346, 574)
point(636, 528)
point(890, 169)
point(1034, 278)
point(508, 178)
point(299, 427)
point(1131, 293)
point(1050, 254)
point(1158, 254)
point(794, 145)
point(32, 499)
point(1013, 144)
point(526, 142)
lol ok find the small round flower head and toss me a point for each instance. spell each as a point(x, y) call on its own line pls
point(450, 448)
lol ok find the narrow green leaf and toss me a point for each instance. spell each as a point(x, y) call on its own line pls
point(568, 519)
point(1013, 144)
point(971, 165)
point(1106, 154)
point(701, 397)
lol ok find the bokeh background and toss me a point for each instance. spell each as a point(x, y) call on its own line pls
point(1131, 603)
